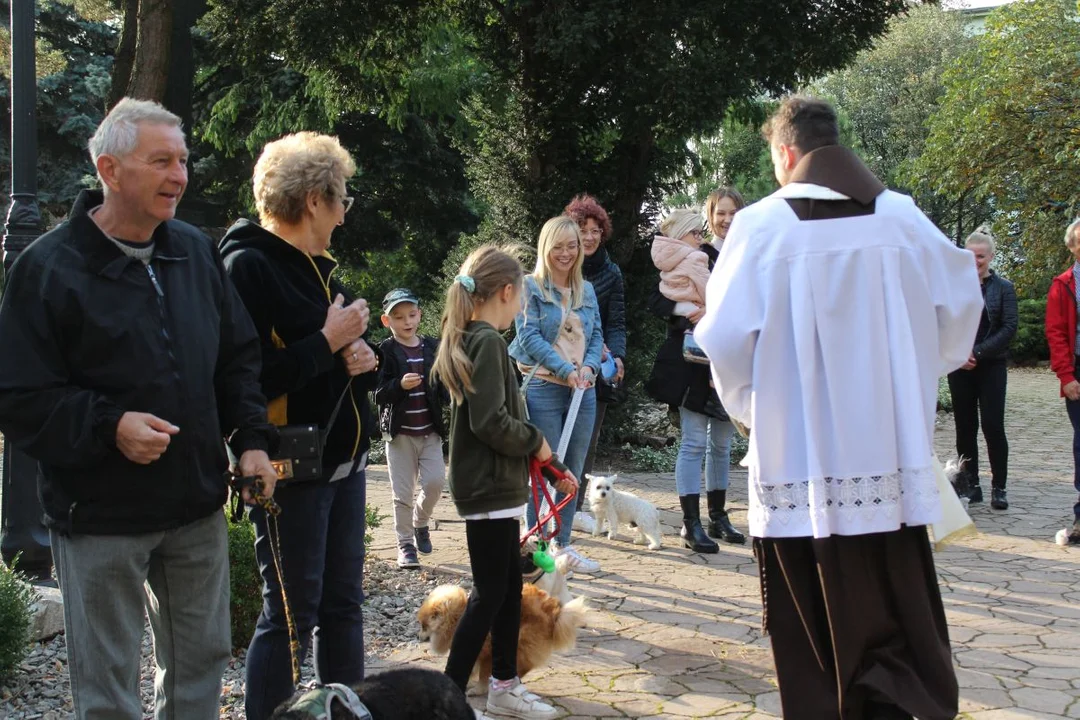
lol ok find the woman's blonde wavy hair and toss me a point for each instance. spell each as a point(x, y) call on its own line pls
point(295, 166)
point(491, 268)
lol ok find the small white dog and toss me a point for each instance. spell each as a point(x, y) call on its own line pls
point(615, 506)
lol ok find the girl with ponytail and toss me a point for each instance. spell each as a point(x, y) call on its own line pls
point(490, 447)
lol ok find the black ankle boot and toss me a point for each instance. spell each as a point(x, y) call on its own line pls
point(694, 535)
point(719, 524)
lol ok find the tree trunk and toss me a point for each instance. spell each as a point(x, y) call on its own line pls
point(181, 79)
point(626, 206)
point(125, 54)
point(150, 73)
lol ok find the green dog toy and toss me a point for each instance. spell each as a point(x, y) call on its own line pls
point(541, 559)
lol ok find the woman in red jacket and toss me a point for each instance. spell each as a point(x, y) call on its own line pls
point(1061, 320)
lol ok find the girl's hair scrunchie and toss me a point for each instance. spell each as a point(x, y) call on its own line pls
point(466, 282)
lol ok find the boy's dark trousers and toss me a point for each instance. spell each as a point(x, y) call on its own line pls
point(494, 603)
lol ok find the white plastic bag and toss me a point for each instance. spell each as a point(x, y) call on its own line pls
point(955, 522)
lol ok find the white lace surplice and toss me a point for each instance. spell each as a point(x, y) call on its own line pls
point(827, 338)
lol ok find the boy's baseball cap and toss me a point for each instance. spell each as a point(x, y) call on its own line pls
point(398, 296)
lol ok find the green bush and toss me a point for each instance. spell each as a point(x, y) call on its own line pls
point(647, 459)
point(245, 582)
point(17, 596)
point(1029, 345)
point(944, 397)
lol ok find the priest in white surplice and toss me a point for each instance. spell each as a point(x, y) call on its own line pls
point(834, 308)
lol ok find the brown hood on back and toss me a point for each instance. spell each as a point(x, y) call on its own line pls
point(839, 169)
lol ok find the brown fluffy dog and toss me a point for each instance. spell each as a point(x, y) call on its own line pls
point(546, 626)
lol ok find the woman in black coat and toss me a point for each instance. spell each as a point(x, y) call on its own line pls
point(705, 428)
point(607, 282)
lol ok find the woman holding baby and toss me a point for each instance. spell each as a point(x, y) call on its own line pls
point(680, 376)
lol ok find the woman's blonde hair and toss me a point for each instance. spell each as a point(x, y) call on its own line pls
point(486, 271)
point(681, 221)
point(982, 237)
point(295, 166)
point(553, 231)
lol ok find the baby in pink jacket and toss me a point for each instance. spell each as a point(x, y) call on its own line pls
point(684, 268)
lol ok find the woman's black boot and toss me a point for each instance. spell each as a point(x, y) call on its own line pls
point(719, 524)
point(694, 535)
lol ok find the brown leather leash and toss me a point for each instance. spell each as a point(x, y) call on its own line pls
point(272, 510)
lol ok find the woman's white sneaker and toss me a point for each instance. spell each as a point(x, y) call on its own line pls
point(576, 562)
point(517, 702)
point(584, 522)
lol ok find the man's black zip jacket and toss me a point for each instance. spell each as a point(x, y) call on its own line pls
point(87, 336)
point(288, 293)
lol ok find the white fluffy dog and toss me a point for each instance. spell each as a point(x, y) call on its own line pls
point(615, 506)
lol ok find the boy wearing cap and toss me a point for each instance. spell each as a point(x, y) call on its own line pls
point(410, 416)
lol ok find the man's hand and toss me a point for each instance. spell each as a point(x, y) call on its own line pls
point(621, 370)
point(142, 437)
point(359, 358)
point(970, 364)
point(411, 380)
point(696, 315)
point(1072, 390)
point(345, 323)
point(256, 463)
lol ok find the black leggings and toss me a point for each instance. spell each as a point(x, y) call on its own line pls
point(980, 392)
point(494, 603)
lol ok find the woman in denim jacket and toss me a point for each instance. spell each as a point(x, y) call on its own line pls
point(558, 347)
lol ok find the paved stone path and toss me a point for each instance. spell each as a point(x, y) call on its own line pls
point(676, 635)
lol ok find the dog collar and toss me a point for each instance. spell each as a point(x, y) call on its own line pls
point(318, 703)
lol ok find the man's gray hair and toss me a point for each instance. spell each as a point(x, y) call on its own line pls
point(118, 133)
point(1072, 233)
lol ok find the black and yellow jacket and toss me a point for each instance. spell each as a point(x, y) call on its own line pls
point(490, 440)
point(287, 292)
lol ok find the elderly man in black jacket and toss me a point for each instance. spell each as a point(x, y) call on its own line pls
point(127, 359)
point(978, 388)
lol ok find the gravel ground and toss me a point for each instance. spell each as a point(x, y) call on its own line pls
point(40, 690)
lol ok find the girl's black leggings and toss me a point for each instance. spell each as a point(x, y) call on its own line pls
point(494, 604)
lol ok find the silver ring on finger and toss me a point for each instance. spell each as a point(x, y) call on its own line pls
point(355, 357)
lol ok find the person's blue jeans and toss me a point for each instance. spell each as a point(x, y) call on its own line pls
point(322, 555)
point(702, 437)
point(1073, 408)
point(548, 403)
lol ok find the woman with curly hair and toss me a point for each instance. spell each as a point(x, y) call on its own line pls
point(607, 282)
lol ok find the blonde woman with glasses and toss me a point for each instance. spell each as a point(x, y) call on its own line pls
point(558, 347)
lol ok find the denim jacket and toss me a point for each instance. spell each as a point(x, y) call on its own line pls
point(537, 329)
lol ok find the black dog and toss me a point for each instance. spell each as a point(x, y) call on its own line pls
point(407, 694)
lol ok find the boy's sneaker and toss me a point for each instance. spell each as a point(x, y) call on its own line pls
point(576, 562)
point(406, 557)
point(517, 702)
point(480, 715)
point(584, 522)
point(423, 540)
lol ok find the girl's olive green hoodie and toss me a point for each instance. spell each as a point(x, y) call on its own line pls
point(490, 440)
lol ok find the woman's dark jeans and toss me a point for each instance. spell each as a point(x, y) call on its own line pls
point(322, 553)
point(980, 393)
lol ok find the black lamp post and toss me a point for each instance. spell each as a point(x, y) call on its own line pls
point(21, 531)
